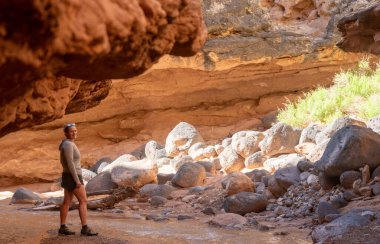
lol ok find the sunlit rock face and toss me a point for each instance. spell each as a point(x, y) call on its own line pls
point(258, 54)
point(58, 44)
point(361, 31)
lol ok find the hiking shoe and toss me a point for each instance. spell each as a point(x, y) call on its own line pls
point(65, 231)
point(86, 231)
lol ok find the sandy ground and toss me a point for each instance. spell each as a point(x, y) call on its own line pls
point(127, 224)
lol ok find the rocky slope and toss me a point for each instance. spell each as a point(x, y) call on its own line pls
point(258, 54)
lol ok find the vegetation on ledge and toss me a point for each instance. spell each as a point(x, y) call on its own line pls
point(355, 92)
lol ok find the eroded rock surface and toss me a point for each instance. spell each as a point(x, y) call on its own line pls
point(87, 40)
point(361, 31)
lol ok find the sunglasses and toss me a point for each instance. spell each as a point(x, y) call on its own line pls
point(68, 126)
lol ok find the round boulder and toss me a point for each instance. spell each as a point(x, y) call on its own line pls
point(237, 182)
point(347, 178)
point(245, 202)
point(190, 174)
point(230, 160)
point(181, 138)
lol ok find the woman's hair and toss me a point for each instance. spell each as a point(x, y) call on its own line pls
point(67, 126)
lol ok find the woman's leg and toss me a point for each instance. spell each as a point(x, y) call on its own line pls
point(67, 198)
point(80, 194)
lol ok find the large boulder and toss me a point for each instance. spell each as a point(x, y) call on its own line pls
point(351, 148)
point(255, 160)
point(24, 196)
point(282, 161)
point(151, 190)
point(135, 174)
point(310, 132)
point(245, 202)
point(245, 143)
point(101, 182)
point(154, 150)
point(280, 139)
point(237, 182)
point(347, 178)
point(190, 174)
point(180, 160)
point(196, 151)
point(340, 226)
point(125, 158)
point(87, 174)
point(333, 127)
point(230, 160)
point(274, 187)
point(181, 138)
point(101, 163)
point(287, 176)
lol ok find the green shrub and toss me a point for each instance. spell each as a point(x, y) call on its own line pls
point(355, 92)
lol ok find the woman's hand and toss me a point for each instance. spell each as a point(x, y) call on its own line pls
point(78, 185)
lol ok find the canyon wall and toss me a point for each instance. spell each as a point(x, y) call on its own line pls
point(258, 55)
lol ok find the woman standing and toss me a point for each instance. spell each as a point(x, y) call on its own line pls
point(72, 182)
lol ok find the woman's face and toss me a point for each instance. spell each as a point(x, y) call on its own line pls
point(71, 133)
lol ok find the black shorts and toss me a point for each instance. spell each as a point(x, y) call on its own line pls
point(68, 181)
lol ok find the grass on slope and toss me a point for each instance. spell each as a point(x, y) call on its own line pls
point(355, 92)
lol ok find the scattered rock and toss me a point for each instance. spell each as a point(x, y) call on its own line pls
point(180, 160)
point(209, 167)
point(245, 202)
point(338, 202)
point(304, 165)
point(317, 152)
point(88, 174)
point(255, 160)
point(349, 195)
point(304, 176)
point(102, 161)
point(228, 220)
point(245, 143)
point(209, 211)
point(310, 132)
point(230, 160)
point(365, 191)
point(324, 209)
point(184, 217)
point(288, 176)
point(163, 178)
point(196, 151)
point(135, 174)
point(366, 174)
point(376, 172)
point(156, 201)
point(24, 196)
point(331, 217)
point(280, 139)
point(181, 138)
point(283, 161)
point(122, 160)
point(376, 189)
point(339, 226)
point(274, 187)
point(347, 178)
point(190, 174)
point(312, 180)
point(260, 187)
point(305, 148)
point(101, 182)
point(154, 150)
point(335, 126)
point(351, 148)
point(150, 190)
point(257, 175)
point(237, 182)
